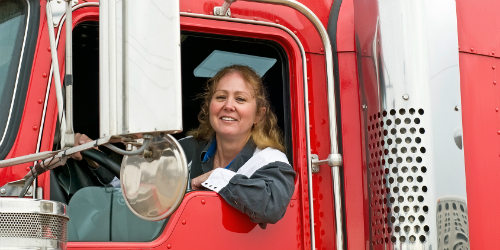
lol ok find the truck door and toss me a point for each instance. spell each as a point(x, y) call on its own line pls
point(99, 217)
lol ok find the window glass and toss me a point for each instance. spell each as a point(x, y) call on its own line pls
point(12, 28)
point(98, 214)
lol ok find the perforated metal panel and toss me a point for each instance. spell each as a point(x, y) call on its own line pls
point(399, 208)
point(38, 226)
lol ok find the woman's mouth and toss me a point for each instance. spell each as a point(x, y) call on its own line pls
point(225, 118)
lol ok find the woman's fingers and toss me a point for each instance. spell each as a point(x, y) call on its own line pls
point(79, 140)
point(196, 182)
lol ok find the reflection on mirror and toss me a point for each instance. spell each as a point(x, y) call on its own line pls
point(154, 183)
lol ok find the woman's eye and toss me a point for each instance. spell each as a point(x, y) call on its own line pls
point(240, 99)
point(220, 97)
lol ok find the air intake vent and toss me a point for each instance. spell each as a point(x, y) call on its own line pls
point(39, 226)
point(33, 224)
point(397, 174)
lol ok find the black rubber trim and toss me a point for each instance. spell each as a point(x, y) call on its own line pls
point(104, 160)
point(24, 79)
point(68, 80)
point(332, 34)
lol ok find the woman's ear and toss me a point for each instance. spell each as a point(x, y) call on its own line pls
point(260, 115)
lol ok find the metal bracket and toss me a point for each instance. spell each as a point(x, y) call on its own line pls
point(333, 160)
point(59, 9)
point(9, 190)
point(218, 12)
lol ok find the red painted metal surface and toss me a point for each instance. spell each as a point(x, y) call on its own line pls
point(481, 123)
point(354, 167)
point(283, 15)
point(478, 27)
point(479, 51)
point(324, 213)
point(345, 28)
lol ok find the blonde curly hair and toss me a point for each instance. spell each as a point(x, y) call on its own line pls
point(265, 133)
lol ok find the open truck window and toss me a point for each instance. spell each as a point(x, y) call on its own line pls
point(99, 214)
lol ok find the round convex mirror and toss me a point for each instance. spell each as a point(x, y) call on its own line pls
point(154, 184)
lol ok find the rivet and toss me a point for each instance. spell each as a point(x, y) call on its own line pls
point(308, 78)
point(277, 21)
point(322, 49)
point(291, 204)
point(494, 82)
point(498, 132)
point(35, 128)
point(496, 109)
point(183, 222)
point(255, 18)
point(48, 49)
point(458, 46)
point(28, 168)
point(492, 52)
point(295, 32)
point(40, 101)
point(307, 60)
point(189, 11)
point(406, 97)
point(169, 246)
point(203, 202)
point(364, 106)
point(309, 102)
point(44, 75)
point(493, 67)
point(456, 108)
point(211, 13)
point(310, 126)
point(3, 191)
point(471, 49)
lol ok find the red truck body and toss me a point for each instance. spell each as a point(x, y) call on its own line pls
point(205, 220)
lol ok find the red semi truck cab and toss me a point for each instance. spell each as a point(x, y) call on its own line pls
point(389, 112)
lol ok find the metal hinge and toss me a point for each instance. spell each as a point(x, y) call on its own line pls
point(218, 12)
point(333, 160)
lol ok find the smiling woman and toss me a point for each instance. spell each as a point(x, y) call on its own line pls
point(237, 150)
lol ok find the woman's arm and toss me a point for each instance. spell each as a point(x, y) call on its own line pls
point(262, 188)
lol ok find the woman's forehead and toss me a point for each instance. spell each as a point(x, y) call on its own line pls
point(234, 82)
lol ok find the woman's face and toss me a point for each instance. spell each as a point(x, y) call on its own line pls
point(233, 108)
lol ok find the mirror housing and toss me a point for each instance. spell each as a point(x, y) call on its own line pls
point(140, 69)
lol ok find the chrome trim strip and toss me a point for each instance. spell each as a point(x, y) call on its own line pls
point(18, 70)
point(306, 99)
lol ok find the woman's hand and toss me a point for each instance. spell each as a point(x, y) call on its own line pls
point(79, 140)
point(196, 182)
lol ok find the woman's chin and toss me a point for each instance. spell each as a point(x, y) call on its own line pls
point(231, 135)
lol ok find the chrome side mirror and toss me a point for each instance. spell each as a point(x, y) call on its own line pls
point(154, 183)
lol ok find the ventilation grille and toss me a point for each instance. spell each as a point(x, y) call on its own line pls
point(398, 207)
point(39, 226)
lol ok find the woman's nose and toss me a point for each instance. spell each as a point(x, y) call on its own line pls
point(229, 105)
